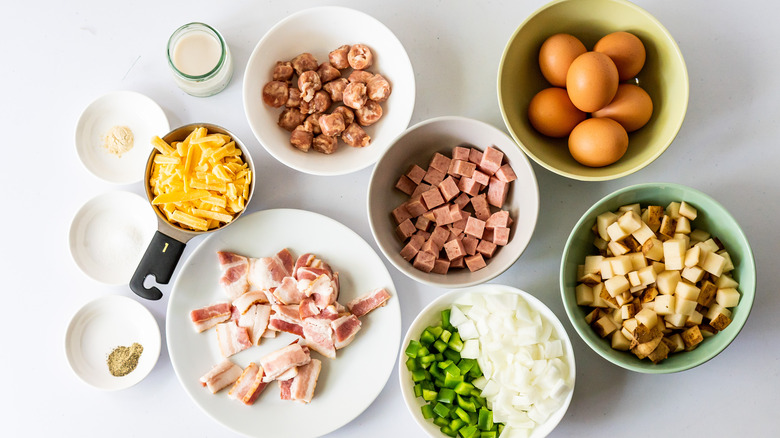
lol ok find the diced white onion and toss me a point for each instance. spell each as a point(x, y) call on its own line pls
point(470, 349)
point(457, 317)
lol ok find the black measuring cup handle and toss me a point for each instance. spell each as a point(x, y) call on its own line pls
point(160, 260)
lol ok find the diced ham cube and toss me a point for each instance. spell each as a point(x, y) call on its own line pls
point(422, 223)
point(499, 219)
point(368, 302)
point(469, 186)
point(488, 234)
point(405, 230)
point(470, 245)
point(432, 198)
point(441, 266)
point(501, 236)
point(497, 192)
point(460, 153)
point(491, 160)
point(421, 188)
point(416, 174)
point(209, 316)
point(454, 249)
point(505, 173)
point(424, 235)
point(405, 185)
point(486, 248)
point(457, 263)
point(431, 246)
point(424, 261)
point(440, 235)
point(455, 213)
point(415, 206)
point(475, 155)
point(401, 214)
point(474, 227)
point(481, 177)
point(442, 215)
point(475, 262)
point(449, 188)
point(434, 176)
point(462, 168)
point(461, 224)
point(439, 162)
point(344, 330)
point(221, 375)
point(462, 200)
point(481, 207)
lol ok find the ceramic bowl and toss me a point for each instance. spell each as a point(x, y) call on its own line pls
point(713, 218)
point(664, 77)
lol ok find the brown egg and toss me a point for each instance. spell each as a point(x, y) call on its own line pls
point(552, 113)
point(598, 142)
point(631, 107)
point(557, 54)
point(626, 51)
point(592, 81)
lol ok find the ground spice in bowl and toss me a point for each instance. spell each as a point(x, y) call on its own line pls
point(123, 360)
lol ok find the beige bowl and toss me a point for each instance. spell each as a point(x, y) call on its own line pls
point(664, 76)
point(416, 146)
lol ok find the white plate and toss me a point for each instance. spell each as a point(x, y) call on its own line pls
point(347, 385)
point(431, 315)
point(120, 108)
point(109, 234)
point(102, 325)
point(319, 31)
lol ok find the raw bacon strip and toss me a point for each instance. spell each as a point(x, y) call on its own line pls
point(245, 301)
point(221, 375)
point(268, 272)
point(284, 389)
point(308, 308)
point(289, 374)
point(235, 270)
point(368, 302)
point(323, 290)
point(244, 383)
point(275, 364)
point(255, 320)
point(309, 260)
point(319, 336)
point(287, 292)
point(254, 390)
point(280, 325)
point(344, 330)
point(209, 316)
point(232, 338)
point(310, 274)
point(303, 385)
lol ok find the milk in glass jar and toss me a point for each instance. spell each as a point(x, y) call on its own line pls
point(199, 59)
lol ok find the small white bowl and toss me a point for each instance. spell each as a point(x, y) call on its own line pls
point(102, 325)
point(416, 146)
point(431, 315)
point(120, 108)
point(108, 236)
point(319, 31)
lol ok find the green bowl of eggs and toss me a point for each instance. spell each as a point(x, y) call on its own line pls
point(592, 90)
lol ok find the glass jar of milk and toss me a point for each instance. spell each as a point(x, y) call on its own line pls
point(199, 59)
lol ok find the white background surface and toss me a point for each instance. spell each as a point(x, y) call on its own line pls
point(59, 56)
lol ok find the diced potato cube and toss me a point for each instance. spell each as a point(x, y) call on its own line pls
point(683, 226)
point(695, 318)
point(647, 317)
point(638, 261)
point(684, 306)
point(666, 281)
point(624, 298)
point(727, 297)
point(606, 269)
point(715, 310)
point(584, 295)
point(621, 265)
point(603, 221)
point(692, 337)
point(687, 210)
point(729, 264)
point(619, 341)
point(699, 235)
point(593, 264)
point(653, 249)
point(714, 264)
point(707, 330)
point(692, 256)
point(679, 345)
point(616, 316)
point(630, 325)
point(648, 295)
point(636, 208)
point(654, 215)
point(674, 253)
point(629, 222)
point(604, 326)
point(673, 210)
point(647, 275)
point(580, 272)
point(643, 233)
point(633, 279)
point(664, 304)
point(594, 315)
point(627, 311)
point(708, 245)
point(673, 263)
point(726, 281)
point(617, 248)
point(720, 322)
point(687, 291)
point(616, 233)
point(600, 243)
point(590, 279)
point(684, 237)
point(707, 293)
point(668, 225)
point(616, 285)
point(694, 274)
point(676, 320)
point(659, 267)
point(597, 300)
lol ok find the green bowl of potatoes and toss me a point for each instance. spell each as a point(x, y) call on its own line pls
point(664, 77)
point(657, 278)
